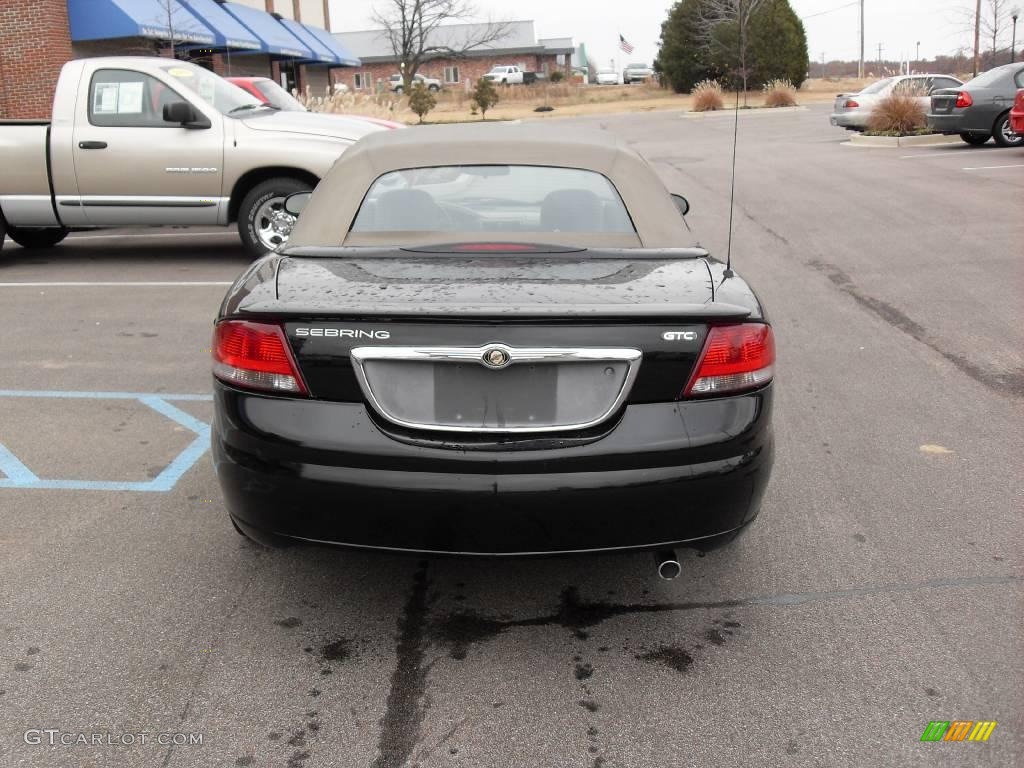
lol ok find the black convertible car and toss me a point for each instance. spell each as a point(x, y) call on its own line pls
point(492, 340)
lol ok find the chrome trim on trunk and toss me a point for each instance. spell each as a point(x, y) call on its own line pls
point(511, 356)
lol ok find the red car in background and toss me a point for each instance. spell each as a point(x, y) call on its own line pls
point(1017, 114)
point(269, 92)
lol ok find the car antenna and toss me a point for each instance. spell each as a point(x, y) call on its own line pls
point(732, 185)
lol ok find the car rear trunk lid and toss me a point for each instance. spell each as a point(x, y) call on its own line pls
point(943, 103)
point(494, 344)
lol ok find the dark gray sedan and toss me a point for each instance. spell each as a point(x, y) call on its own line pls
point(980, 108)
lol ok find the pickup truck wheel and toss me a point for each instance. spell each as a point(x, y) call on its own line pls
point(263, 223)
point(433, 88)
point(1004, 134)
point(29, 237)
point(399, 90)
point(974, 139)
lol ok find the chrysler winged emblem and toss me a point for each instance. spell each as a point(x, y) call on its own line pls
point(495, 357)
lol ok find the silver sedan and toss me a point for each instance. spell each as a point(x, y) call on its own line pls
point(853, 110)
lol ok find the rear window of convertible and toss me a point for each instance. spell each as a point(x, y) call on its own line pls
point(492, 198)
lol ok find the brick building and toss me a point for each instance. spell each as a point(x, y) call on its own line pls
point(286, 40)
point(518, 46)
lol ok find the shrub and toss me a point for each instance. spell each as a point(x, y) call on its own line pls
point(485, 95)
point(421, 100)
point(557, 76)
point(779, 93)
point(707, 96)
point(898, 113)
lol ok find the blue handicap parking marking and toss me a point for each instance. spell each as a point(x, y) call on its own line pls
point(14, 474)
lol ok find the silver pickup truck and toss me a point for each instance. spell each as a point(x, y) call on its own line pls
point(140, 141)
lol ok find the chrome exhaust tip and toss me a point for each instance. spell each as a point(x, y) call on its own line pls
point(668, 564)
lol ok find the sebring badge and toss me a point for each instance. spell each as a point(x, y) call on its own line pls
point(495, 357)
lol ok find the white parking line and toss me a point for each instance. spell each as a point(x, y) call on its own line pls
point(934, 155)
point(154, 234)
point(991, 167)
point(122, 283)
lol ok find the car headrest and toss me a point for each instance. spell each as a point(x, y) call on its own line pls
point(406, 209)
point(571, 210)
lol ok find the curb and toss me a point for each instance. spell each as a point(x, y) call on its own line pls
point(928, 140)
point(728, 112)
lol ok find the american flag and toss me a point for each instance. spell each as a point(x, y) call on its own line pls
point(624, 44)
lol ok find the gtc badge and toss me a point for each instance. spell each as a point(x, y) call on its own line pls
point(495, 358)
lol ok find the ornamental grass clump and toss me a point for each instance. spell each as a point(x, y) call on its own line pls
point(779, 93)
point(898, 114)
point(707, 96)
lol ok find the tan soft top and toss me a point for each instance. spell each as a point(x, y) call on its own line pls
point(327, 218)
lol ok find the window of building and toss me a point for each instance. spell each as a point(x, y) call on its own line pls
point(451, 74)
point(363, 81)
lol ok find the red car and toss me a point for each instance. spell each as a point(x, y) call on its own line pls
point(1017, 114)
point(269, 92)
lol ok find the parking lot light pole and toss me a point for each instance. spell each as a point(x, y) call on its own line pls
point(1013, 38)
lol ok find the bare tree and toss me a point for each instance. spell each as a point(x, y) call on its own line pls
point(715, 17)
point(986, 21)
point(411, 28)
point(169, 11)
point(995, 18)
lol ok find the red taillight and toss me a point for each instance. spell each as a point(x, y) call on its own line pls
point(963, 99)
point(735, 357)
point(851, 104)
point(255, 356)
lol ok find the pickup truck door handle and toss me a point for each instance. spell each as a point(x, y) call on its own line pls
point(92, 145)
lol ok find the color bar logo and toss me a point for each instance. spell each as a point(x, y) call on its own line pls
point(958, 730)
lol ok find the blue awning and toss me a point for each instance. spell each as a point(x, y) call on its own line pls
point(275, 37)
point(227, 30)
point(345, 56)
point(112, 19)
point(320, 52)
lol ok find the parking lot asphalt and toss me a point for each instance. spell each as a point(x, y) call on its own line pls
point(880, 589)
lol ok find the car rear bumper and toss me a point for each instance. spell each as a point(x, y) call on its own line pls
point(851, 120)
point(1017, 121)
point(948, 124)
point(666, 473)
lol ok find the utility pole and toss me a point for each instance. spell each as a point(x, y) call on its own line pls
point(917, 57)
point(860, 65)
point(879, 59)
point(977, 38)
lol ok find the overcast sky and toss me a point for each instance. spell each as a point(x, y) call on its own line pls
point(831, 27)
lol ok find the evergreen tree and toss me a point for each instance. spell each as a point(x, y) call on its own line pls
point(776, 48)
point(485, 95)
point(682, 61)
point(778, 45)
point(421, 100)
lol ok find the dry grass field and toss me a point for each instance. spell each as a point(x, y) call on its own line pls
point(565, 100)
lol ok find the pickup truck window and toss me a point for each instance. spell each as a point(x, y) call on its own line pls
point(126, 99)
point(226, 98)
point(493, 198)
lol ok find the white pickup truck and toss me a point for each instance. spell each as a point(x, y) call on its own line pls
point(510, 75)
point(147, 141)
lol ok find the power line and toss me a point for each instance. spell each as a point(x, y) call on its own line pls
point(833, 10)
